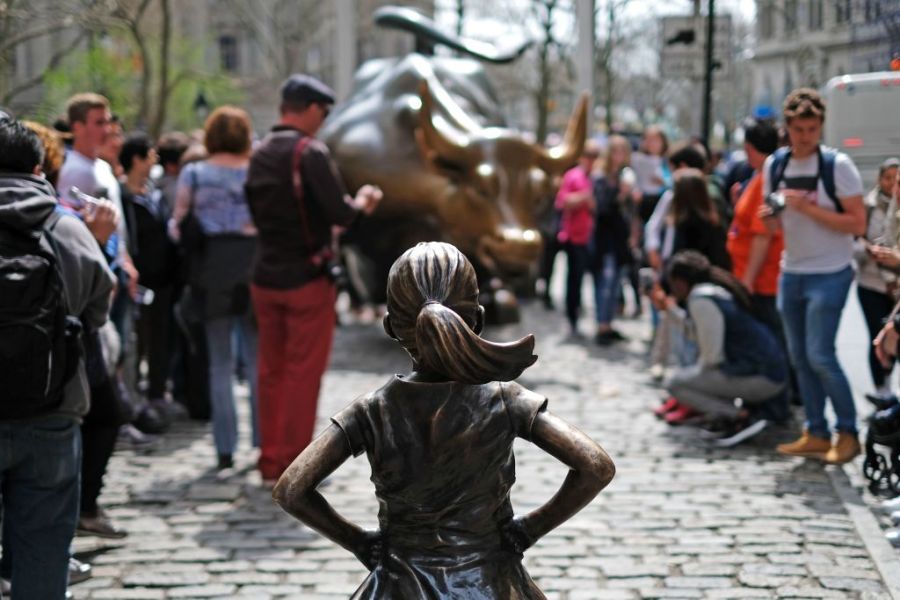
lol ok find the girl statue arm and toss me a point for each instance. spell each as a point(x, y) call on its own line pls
point(591, 470)
point(296, 493)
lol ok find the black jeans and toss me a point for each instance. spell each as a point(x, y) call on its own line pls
point(155, 340)
point(548, 258)
point(578, 257)
point(98, 432)
point(875, 306)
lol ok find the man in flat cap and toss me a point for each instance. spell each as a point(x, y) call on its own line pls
point(296, 195)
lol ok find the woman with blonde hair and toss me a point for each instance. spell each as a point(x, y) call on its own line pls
point(212, 220)
point(611, 244)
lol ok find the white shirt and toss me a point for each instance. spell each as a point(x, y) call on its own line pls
point(93, 177)
point(810, 247)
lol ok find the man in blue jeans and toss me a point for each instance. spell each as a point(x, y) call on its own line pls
point(815, 194)
point(40, 455)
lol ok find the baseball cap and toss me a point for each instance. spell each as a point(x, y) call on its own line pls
point(304, 89)
point(890, 163)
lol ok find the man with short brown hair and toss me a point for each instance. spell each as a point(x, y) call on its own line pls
point(814, 194)
point(91, 123)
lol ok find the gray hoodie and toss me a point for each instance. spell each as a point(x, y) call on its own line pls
point(25, 202)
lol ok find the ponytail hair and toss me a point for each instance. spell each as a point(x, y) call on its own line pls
point(433, 311)
point(694, 268)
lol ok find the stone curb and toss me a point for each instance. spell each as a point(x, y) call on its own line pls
point(885, 557)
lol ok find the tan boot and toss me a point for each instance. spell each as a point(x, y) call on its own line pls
point(845, 448)
point(809, 446)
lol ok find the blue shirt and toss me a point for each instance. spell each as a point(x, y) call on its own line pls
point(217, 197)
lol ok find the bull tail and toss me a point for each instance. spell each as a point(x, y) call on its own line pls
point(428, 36)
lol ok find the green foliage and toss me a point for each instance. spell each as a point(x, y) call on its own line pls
point(98, 69)
point(114, 69)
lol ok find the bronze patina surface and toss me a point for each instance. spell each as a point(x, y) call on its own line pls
point(440, 445)
point(429, 131)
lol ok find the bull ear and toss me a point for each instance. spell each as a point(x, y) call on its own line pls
point(437, 146)
point(565, 155)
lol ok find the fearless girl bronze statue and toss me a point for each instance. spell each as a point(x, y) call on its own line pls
point(440, 444)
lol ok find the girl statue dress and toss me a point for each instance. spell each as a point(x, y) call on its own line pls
point(440, 445)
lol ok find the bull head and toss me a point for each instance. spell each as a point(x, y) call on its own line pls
point(502, 179)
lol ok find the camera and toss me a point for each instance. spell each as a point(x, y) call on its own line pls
point(776, 202)
point(647, 279)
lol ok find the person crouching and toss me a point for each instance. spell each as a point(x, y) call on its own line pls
point(739, 357)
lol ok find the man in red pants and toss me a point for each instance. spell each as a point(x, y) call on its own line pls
point(296, 197)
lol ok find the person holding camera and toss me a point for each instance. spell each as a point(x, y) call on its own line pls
point(296, 196)
point(815, 194)
point(212, 222)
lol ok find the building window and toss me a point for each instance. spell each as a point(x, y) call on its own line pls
point(790, 15)
point(843, 13)
point(816, 13)
point(872, 10)
point(228, 53)
point(766, 22)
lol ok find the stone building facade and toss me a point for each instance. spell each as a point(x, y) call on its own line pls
point(807, 42)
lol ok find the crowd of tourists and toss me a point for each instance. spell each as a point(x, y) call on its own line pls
point(747, 267)
point(140, 278)
point(130, 297)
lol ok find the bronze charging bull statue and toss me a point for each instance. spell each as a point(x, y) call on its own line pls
point(429, 131)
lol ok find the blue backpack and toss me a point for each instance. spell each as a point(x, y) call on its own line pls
point(827, 158)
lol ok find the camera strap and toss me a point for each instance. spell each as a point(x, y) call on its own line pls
point(316, 258)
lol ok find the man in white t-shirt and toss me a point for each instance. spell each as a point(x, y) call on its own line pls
point(821, 194)
point(90, 119)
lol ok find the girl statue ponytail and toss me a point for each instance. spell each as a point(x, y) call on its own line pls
point(433, 312)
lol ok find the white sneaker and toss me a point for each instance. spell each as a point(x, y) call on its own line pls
point(895, 517)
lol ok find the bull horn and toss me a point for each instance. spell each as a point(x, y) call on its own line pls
point(561, 157)
point(445, 148)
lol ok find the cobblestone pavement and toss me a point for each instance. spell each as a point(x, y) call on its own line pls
point(681, 519)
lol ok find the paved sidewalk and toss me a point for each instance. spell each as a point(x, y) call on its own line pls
point(681, 519)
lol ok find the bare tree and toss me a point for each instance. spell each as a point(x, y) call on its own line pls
point(165, 83)
point(22, 21)
point(606, 49)
point(281, 30)
point(130, 16)
point(550, 50)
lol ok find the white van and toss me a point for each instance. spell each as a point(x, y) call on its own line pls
point(862, 119)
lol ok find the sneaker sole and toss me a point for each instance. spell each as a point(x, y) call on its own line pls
point(105, 536)
point(842, 462)
point(743, 435)
point(819, 455)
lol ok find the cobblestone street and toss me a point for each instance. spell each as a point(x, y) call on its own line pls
point(680, 520)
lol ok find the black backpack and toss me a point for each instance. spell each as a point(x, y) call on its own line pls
point(40, 343)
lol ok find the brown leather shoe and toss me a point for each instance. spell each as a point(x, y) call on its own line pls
point(809, 446)
point(845, 448)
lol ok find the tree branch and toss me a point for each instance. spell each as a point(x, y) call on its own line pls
point(51, 64)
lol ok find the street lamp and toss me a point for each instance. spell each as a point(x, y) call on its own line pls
point(201, 107)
